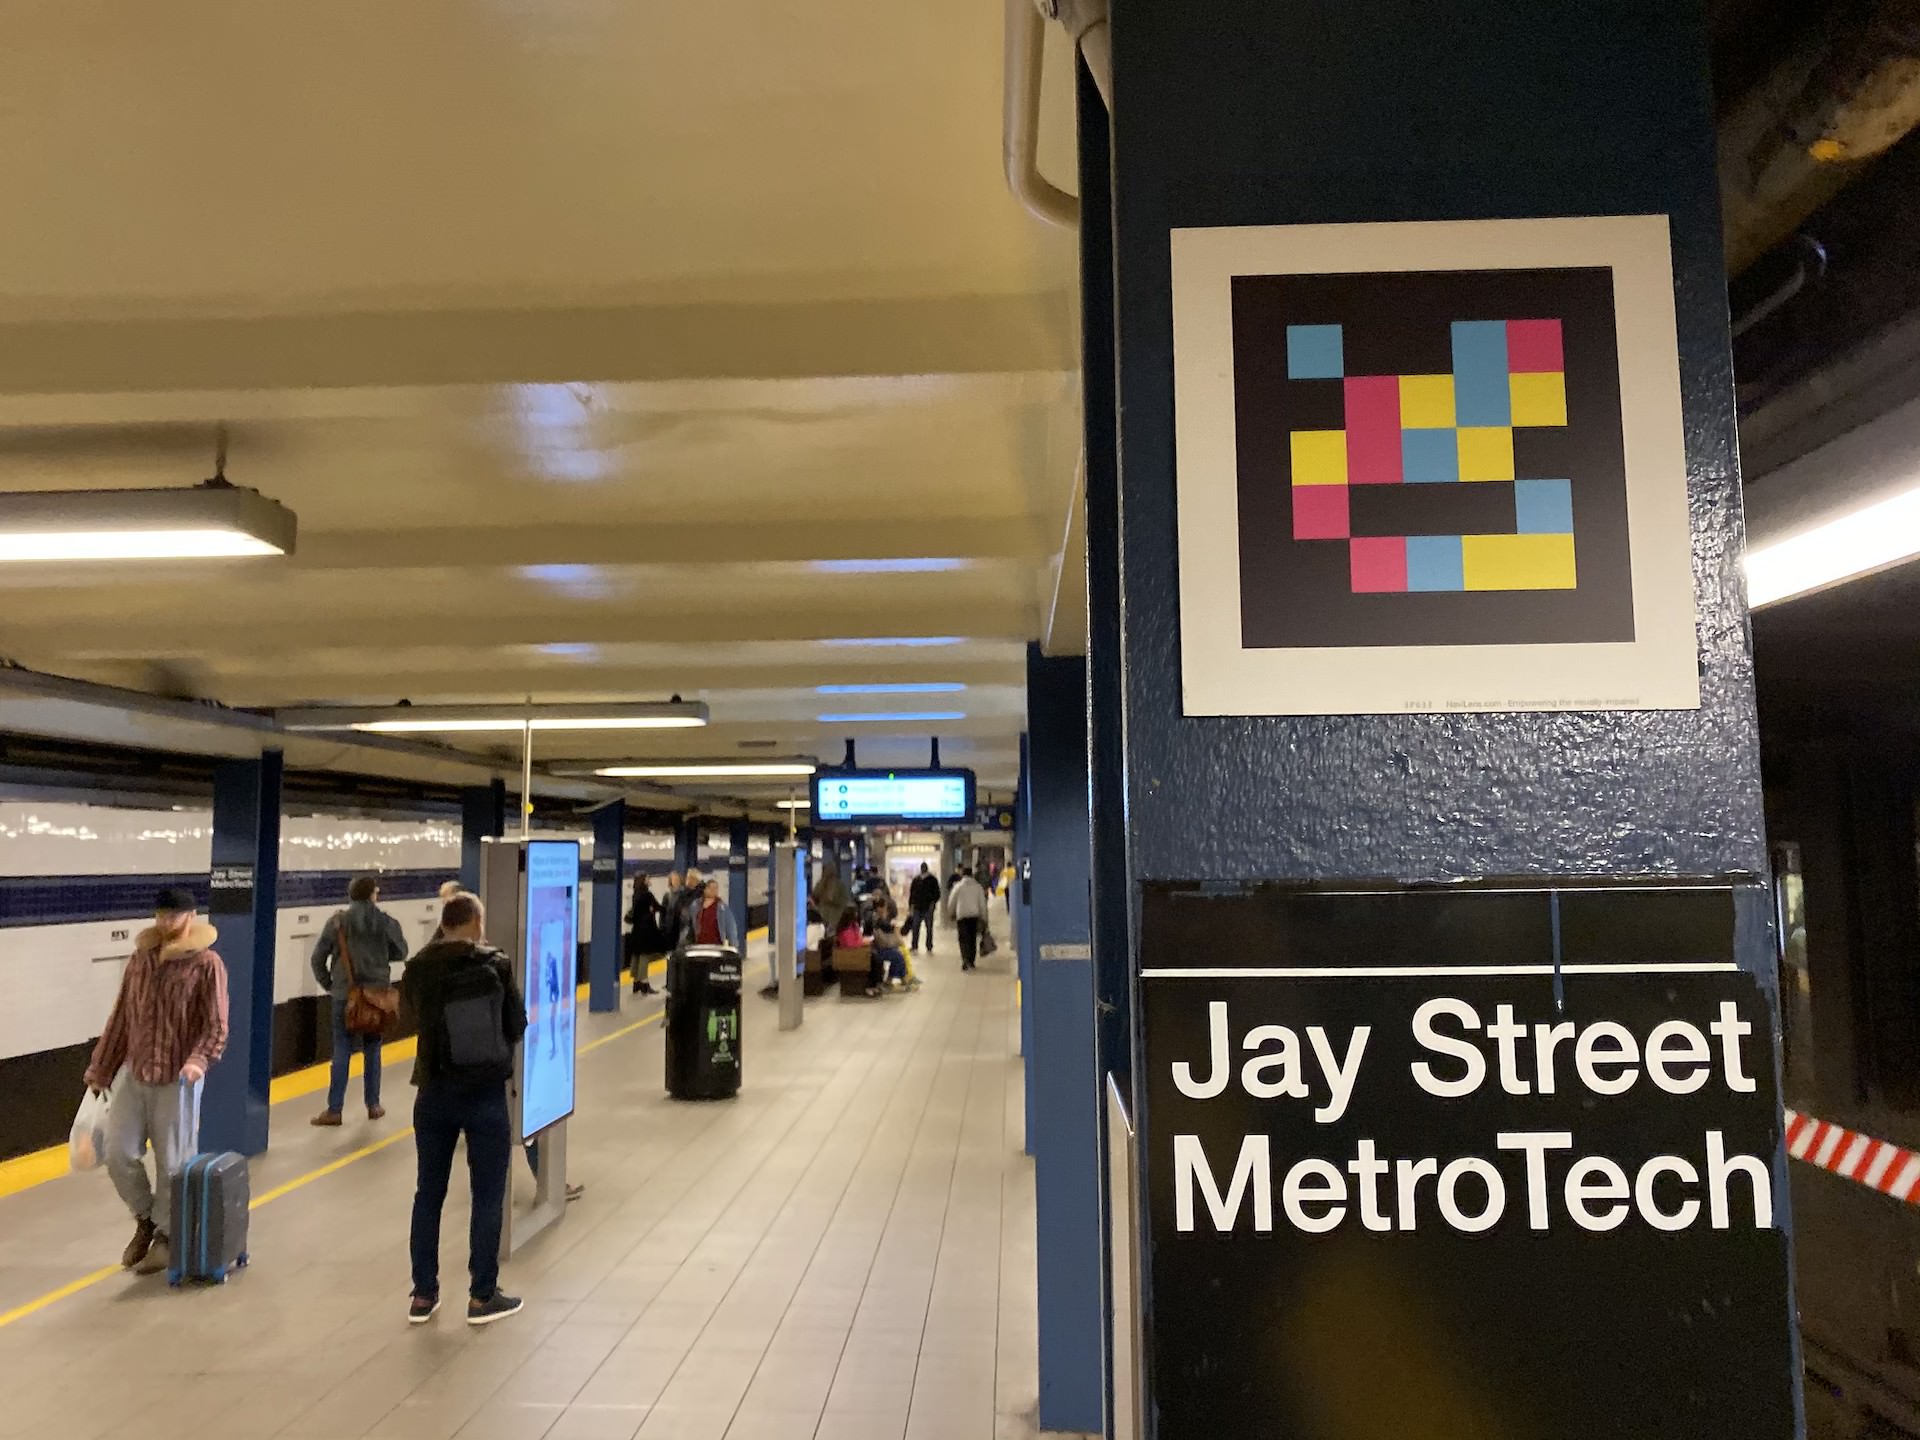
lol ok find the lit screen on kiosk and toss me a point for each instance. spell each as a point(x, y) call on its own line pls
point(893, 795)
point(547, 978)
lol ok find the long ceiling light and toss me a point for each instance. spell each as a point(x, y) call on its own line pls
point(1869, 539)
point(889, 717)
point(915, 687)
point(200, 522)
point(711, 770)
point(495, 719)
point(793, 804)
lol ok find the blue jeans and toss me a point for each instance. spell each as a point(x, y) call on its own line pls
point(343, 1047)
point(441, 1115)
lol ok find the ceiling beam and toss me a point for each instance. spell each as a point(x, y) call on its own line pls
point(940, 335)
point(452, 673)
point(133, 636)
point(1011, 538)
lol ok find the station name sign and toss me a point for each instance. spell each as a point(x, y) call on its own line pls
point(1464, 1052)
point(1518, 1143)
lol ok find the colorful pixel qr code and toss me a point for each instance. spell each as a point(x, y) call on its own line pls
point(1430, 457)
point(1455, 428)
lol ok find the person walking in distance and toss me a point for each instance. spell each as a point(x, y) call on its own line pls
point(967, 905)
point(646, 942)
point(358, 946)
point(923, 899)
point(167, 1029)
point(470, 1013)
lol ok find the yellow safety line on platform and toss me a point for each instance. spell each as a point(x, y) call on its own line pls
point(107, 1272)
point(37, 1168)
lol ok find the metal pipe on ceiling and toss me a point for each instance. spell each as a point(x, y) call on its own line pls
point(1818, 119)
point(1026, 39)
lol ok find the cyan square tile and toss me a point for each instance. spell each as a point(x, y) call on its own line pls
point(1543, 507)
point(1434, 563)
point(1315, 352)
point(1429, 456)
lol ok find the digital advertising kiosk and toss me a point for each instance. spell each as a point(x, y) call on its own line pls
point(531, 889)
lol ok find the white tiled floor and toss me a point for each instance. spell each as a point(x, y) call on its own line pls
point(845, 1252)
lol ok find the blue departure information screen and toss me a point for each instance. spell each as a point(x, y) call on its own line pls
point(551, 950)
point(859, 796)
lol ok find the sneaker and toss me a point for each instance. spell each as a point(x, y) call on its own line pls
point(874, 992)
point(376, 1112)
point(136, 1251)
point(497, 1306)
point(422, 1308)
point(155, 1260)
point(326, 1118)
point(574, 1192)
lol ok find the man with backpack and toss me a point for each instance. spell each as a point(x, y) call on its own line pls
point(471, 1015)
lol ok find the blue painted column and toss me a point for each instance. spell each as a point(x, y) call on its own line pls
point(737, 832)
point(483, 816)
point(609, 861)
point(245, 908)
point(1064, 1085)
point(1112, 913)
point(686, 844)
point(1023, 926)
point(1247, 112)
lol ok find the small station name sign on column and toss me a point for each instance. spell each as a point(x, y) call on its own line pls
point(230, 890)
point(1461, 1162)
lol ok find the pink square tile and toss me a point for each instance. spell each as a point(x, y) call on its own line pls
point(1533, 346)
point(1379, 563)
point(1319, 512)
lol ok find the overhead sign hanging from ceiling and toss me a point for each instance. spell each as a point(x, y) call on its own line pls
point(1461, 1162)
point(869, 797)
point(1429, 467)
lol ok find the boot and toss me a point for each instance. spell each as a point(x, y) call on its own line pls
point(137, 1248)
point(326, 1118)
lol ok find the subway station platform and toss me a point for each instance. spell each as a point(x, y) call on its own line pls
point(844, 1252)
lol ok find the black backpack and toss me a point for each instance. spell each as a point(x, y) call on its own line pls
point(473, 1021)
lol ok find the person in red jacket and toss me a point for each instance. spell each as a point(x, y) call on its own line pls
point(167, 1029)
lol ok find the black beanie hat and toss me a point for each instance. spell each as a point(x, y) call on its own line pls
point(172, 900)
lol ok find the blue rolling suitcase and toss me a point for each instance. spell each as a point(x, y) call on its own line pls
point(211, 1198)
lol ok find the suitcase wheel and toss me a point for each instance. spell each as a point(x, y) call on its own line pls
point(240, 1262)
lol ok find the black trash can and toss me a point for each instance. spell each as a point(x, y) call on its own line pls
point(703, 1023)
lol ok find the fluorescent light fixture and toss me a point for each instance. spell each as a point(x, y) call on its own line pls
point(706, 770)
point(793, 804)
point(495, 719)
point(930, 687)
point(901, 566)
point(858, 717)
point(198, 522)
point(899, 640)
point(1856, 544)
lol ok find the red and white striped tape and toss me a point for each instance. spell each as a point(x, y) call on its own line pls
point(1878, 1164)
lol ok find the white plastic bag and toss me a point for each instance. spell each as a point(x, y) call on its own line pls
point(87, 1141)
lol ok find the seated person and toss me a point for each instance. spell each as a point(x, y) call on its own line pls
point(889, 956)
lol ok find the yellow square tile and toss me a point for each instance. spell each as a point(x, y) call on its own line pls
point(1320, 457)
point(1486, 452)
point(1518, 562)
point(1426, 402)
point(1539, 399)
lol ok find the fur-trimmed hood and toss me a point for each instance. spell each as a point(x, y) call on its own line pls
point(200, 936)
